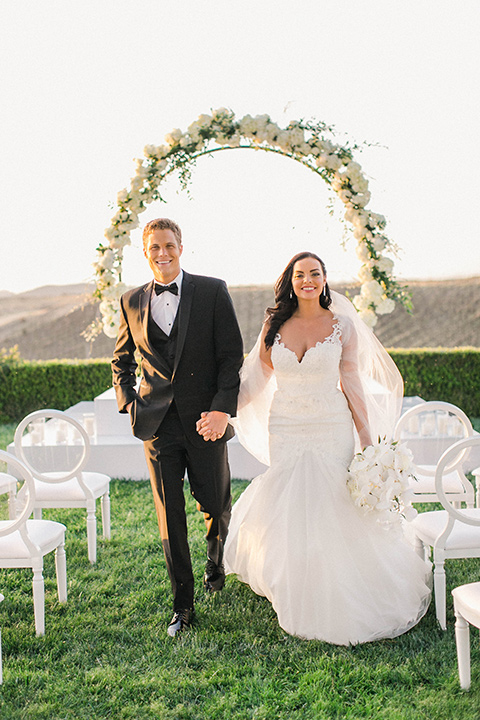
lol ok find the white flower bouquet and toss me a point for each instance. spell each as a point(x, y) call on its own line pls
point(379, 480)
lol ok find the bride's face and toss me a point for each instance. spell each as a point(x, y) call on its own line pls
point(308, 279)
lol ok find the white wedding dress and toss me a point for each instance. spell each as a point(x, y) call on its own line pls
point(330, 571)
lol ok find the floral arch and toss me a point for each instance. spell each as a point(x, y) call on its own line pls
point(311, 144)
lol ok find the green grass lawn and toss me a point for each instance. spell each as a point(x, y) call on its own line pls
point(105, 653)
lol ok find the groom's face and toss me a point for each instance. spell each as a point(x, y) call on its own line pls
point(163, 254)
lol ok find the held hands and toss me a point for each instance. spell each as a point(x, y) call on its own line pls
point(212, 425)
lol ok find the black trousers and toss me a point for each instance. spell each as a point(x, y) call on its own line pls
point(169, 454)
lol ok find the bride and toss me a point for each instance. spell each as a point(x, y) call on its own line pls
point(316, 375)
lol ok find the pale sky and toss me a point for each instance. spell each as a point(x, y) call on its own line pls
point(85, 85)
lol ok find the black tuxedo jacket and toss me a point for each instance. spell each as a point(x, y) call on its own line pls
point(209, 354)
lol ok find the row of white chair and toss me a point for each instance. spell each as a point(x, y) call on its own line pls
point(48, 479)
point(429, 428)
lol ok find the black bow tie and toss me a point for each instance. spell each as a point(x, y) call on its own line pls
point(173, 288)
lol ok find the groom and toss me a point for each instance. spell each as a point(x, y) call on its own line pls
point(185, 331)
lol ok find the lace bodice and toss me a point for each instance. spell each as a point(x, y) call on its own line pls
point(317, 373)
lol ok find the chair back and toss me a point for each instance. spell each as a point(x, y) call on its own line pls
point(54, 446)
point(429, 429)
point(450, 457)
point(22, 473)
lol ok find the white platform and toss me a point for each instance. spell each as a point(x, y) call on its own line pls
point(117, 453)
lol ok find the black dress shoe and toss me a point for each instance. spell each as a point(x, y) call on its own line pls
point(181, 619)
point(214, 578)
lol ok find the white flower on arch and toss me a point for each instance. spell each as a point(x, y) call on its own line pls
point(311, 144)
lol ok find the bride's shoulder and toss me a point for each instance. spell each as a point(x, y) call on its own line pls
point(346, 326)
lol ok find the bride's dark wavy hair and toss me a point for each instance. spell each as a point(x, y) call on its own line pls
point(286, 302)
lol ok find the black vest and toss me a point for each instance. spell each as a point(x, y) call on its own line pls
point(165, 345)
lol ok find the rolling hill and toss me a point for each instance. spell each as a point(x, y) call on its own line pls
point(47, 322)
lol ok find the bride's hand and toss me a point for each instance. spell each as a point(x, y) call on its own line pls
point(212, 425)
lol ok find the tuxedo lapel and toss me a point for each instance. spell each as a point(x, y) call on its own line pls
point(184, 308)
point(144, 308)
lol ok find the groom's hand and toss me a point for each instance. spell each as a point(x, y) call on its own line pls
point(212, 425)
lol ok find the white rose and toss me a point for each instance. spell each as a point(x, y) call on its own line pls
point(110, 328)
point(349, 214)
point(344, 195)
point(361, 303)
point(119, 241)
point(360, 219)
point(385, 307)
point(362, 200)
point(364, 274)
point(359, 184)
point(174, 137)
point(368, 317)
point(384, 264)
point(107, 278)
point(162, 151)
point(220, 113)
point(138, 183)
point(107, 260)
point(373, 290)
point(204, 120)
point(150, 150)
point(234, 141)
point(363, 253)
point(141, 170)
point(378, 243)
point(122, 196)
point(114, 292)
point(333, 162)
point(376, 220)
point(247, 125)
point(321, 160)
point(272, 132)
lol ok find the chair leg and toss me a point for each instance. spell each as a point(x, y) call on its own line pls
point(439, 583)
point(37, 513)
point(91, 531)
point(105, 501)
point(61, 568)
point(12, 505)
point(39, 597)
point(462, 637)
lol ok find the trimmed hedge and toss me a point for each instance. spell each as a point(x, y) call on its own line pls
point(449, 374)
point(28, 386)
point(441, 374)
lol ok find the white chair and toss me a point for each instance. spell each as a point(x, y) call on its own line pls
point(55, 447)
point(452, 532)
point(476, 475)
point(24, 543)
point(1, 668)
point(429, 429)
point(8, 484)
point(466, 601)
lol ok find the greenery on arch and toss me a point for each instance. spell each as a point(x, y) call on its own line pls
point(310, 143)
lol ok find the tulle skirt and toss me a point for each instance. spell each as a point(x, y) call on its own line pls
point(331, 572)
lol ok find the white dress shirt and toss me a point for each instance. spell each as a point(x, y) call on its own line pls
point(164, 307)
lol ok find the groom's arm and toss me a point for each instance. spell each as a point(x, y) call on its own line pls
point(124, 365)
point(228, 353)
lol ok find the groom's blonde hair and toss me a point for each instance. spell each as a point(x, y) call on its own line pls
point(162, 224)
